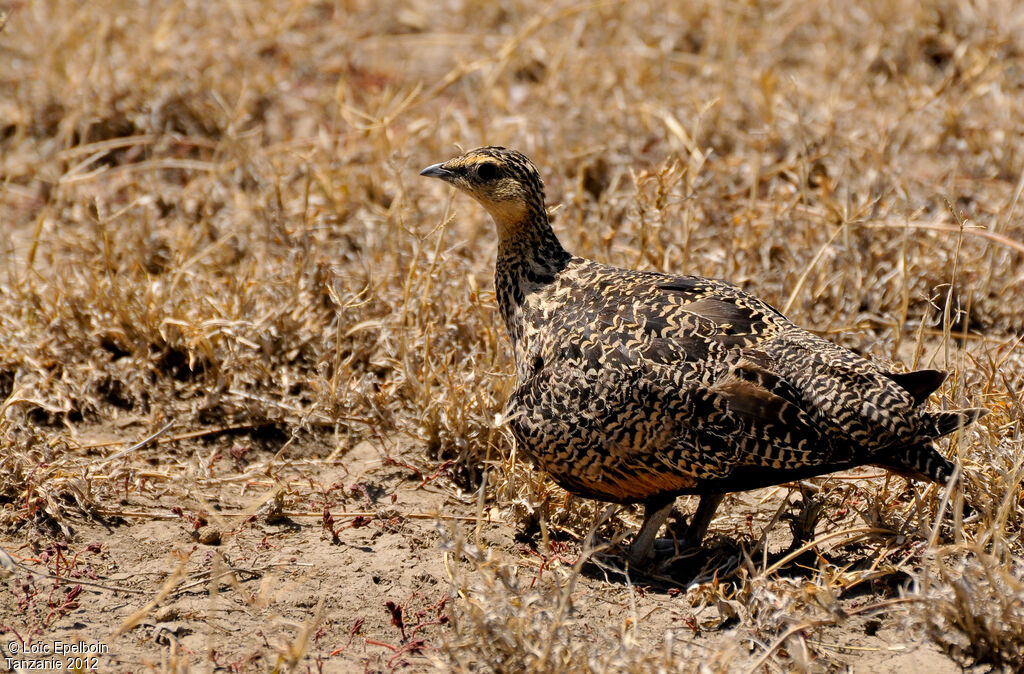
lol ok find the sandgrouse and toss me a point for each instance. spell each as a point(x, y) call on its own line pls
point(637, 386)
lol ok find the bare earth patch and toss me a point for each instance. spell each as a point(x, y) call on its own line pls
point(277, 589)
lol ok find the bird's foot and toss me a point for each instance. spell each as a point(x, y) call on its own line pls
point(661, 551)
point(656, 512)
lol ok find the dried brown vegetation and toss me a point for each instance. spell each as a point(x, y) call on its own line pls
point(215, 240)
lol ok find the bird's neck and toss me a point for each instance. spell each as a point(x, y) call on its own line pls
point(529, 257)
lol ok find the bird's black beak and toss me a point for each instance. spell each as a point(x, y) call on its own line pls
point(437, 171)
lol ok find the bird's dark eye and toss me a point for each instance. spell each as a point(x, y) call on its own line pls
point(487, 171)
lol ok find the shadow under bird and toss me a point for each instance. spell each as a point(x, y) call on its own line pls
point(637, 386)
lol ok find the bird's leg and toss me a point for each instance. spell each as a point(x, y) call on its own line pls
point(656, 511)
point(701, 519)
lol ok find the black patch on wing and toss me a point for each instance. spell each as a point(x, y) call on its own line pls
point(676, 348)
point(739, 319)
point(731, 318)
point(685, 285)
point(719, 291)
point(665, 344)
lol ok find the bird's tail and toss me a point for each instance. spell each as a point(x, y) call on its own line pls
point(919, 384)
point(937, 424)
point(919, 462)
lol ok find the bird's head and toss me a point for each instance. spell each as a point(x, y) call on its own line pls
point(504, 181)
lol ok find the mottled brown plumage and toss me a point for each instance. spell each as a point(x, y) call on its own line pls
point(638, 386)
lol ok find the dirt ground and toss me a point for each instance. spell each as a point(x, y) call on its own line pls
point(245, 586)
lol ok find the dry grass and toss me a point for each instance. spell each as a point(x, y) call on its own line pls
point(212, 219)
point(974, 607)
point(516, 618)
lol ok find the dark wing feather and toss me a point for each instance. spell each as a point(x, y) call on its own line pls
point(919, 384)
